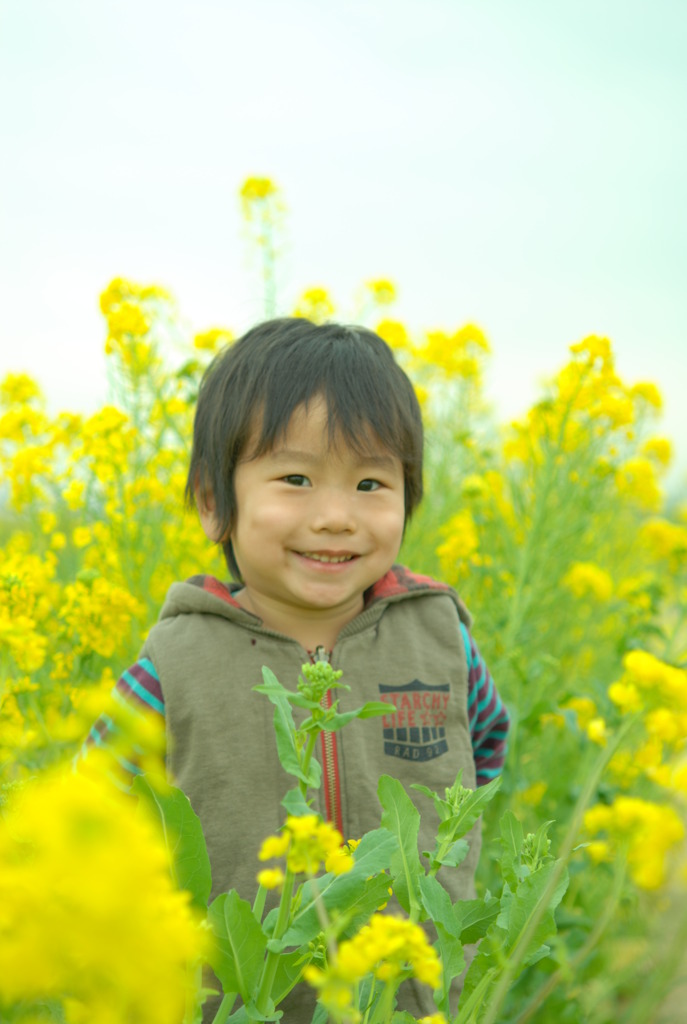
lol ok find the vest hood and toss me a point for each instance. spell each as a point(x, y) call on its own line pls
point(207, 595)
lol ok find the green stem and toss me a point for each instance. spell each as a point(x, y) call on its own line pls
point(545, 991)
point(225, 1008)
point(269, 969)
point(305, 763)
point(514, 961)
point(468, 1012)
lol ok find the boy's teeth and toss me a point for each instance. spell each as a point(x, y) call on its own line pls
point(327, 558)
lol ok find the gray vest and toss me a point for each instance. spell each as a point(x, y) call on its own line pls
point(407, 650)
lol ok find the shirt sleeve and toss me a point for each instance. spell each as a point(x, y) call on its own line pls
point(137, 714)
point(488, 716)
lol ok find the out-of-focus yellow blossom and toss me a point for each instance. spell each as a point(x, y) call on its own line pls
point(382, 291)
point(586, 579)
point(271, 878)
point(636, 480)
point(647, 392)
point(594, 348)
point(648, 831)
point(86, 897)
point(552, 718)
point(18, 389)
point(97, 615)
point(584, 708)
point(625, 695)
point(389, 948)
point(600, 851)
point(315, 304)
point(394, 334)
point(213, 339)
point(456, 354)
point(664, 539)
point(81, 536)
point(597, 731)
point(120, 290)
point(534, 794)
point(257, 188)
point(307, 842)
point(422, 395)
point(126, 321)
point(474, 486)
point(73, 494)
point(659, 449)
point(462, 541)
point(666, 682)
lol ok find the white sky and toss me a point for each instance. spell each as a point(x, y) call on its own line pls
point(521, 163)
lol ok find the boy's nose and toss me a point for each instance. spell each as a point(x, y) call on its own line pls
point(334, 513)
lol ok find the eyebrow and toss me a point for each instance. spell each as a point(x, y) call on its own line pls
point(295, 454)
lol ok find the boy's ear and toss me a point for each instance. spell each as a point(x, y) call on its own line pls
point(208, 519)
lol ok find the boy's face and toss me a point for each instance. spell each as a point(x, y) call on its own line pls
point(316, 525)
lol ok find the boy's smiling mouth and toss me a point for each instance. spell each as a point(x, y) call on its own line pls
point(329, 558)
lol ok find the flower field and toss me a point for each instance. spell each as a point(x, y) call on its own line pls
point(553, 529)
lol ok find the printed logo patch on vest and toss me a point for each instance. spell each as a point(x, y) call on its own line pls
point(416, 730)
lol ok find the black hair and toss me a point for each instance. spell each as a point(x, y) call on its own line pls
point(252, 388)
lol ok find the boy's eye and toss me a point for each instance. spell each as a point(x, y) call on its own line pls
point(369, 485)
point(296, 480)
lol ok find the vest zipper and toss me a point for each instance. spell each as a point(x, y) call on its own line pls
point(330, 766)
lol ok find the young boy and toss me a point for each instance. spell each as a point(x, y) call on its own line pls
point(306, 466)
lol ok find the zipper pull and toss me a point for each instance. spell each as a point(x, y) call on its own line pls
point(320, 654)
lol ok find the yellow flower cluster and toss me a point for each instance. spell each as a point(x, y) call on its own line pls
point(307, 842)
point(315, 304)
point(646, 830)
point(587, 580)
point(659, 691)
point(88, 911)
point(389, 948)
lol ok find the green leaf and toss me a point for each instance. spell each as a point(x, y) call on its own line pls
point(372, 709)
point(402, 819)
point(182, 833)
point(442, 807)
point(473, 917)
point(456, 854)
point(349, 901)
point(511, 842)
point(290, 966)
point(472, 807)
point(238, 954)
point(295, 804)
point(352, 897)
point(285, 730)
point(518, 907)
point(321, 1015)
point(437, 903)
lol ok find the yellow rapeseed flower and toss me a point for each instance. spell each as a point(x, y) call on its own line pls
point(307, 842)
point(648, 830)
point(588, 580)
point(647, 392)
point(660, 449)
point(315, 304)
point(390, 948)
point(462, 541)
point(86, 898)
point(394, 334)
point(18, 389)
point(382, 291)
point(213, 339)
